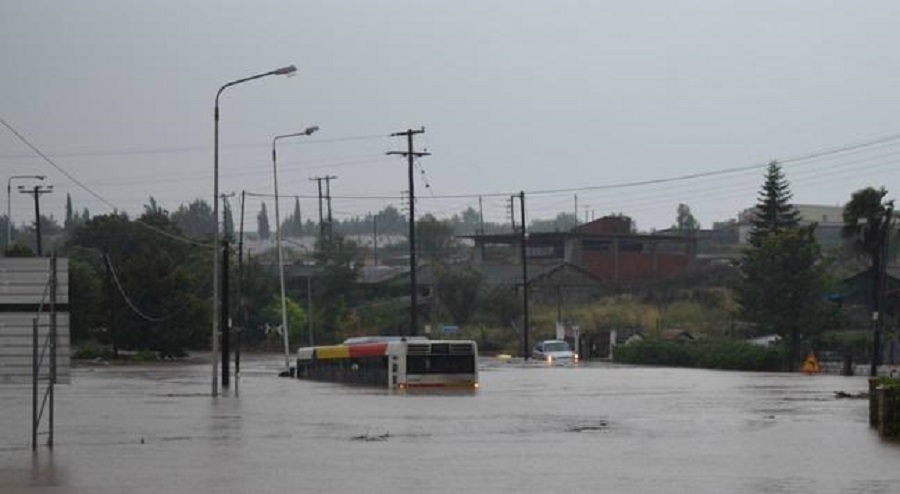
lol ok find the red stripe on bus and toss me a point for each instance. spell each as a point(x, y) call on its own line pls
point(368, 350)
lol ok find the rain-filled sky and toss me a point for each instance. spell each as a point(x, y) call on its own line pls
point(589, 107)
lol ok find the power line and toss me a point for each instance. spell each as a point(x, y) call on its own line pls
point(185, 149)
point(91, 192)
point(131, 304)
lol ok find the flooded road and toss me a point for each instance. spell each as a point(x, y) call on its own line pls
point(595, 428)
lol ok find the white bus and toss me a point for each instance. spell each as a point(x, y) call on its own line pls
point(394, 362)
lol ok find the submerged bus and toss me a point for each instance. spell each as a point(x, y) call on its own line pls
point(394, 362)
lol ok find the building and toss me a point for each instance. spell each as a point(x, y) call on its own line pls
point(829, 221)
point(607, 248)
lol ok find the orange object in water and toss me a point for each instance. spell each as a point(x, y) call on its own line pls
point(810, 365)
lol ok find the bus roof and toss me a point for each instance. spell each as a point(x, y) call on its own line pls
point(358, 340)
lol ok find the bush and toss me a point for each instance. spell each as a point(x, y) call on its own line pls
point(90, 350)
point(727, 355)
point(145, 356)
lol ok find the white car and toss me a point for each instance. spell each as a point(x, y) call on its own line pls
point(554, 352)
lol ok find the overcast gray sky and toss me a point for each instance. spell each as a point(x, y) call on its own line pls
point(556, 98)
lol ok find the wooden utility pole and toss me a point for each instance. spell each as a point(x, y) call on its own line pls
point(321, 224)
point(411, 155)
point(328, 179)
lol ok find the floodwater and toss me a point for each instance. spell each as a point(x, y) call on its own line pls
point(594, 428)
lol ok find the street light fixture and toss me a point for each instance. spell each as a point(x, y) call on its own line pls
point(284, 320)
point(289, 70)
point(9, 204)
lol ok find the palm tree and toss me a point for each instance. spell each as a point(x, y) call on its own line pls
point(867, 221)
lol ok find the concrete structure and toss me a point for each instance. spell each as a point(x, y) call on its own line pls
point(24, 297)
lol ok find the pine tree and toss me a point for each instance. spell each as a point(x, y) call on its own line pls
point(774, 211)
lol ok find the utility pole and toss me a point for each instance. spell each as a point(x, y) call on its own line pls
point(522, 239)
point(321, 224)
point(328, 179)
point(576, 209)
point(36, 191)
point(512, 212)
point(884, 236)
point(226, 316)
point(481, 226)
point(111, 320)
point(225, 307)
point(375, 238)
point(411, 155)
point(242, 310)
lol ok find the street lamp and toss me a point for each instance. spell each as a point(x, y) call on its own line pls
point(289, 70)
point(284, 321)
point(9, 204)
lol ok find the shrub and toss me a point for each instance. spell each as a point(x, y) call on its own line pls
point(727, 355)
point(90, 350)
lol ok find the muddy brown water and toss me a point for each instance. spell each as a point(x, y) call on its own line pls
point(594, 428)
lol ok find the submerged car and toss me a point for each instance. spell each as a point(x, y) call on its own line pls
point(554, 352)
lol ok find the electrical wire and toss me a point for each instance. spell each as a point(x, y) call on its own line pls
point(131, 304)
point(47, 159)
point(189, 149)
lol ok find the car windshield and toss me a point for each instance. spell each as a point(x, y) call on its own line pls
point(556, 346)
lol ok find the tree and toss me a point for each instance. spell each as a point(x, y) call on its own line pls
point(434, 238)
point(458, 290)
point(561, 223)
point(161, 282)
point(69, 223)
point(260, 288)
point(336, 283)
point(86, 297)
point(773, 211)
point(227, 219)
point(293, 225)
point(390, 221)
point(262, 223)
point(195, 220)
point(500, 305)
point(782, 286)
point(685, 223)
point(152, 207)
point(868, 223)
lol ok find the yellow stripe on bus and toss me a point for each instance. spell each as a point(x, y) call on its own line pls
point(335, 351)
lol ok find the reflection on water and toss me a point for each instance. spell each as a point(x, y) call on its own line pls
point(597, 427)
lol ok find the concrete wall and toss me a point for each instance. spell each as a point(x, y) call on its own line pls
point(23, 297)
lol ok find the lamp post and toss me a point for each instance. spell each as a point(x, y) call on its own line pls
point(284, 320)
point(9, 205)
point(36, 191)
point(289, 70)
